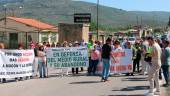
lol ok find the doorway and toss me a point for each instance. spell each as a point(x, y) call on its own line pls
point(13, 40)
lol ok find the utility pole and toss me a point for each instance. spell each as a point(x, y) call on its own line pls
point(97, 20)
point(137, 20)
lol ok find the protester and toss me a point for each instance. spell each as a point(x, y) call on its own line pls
point(42, 62)
point(20, 47)
point(154, 66)
point(99, 46)
point(53, 44)
point(35, 66)
point(106, 53)
point(65, 44)
point(95, 58)
point(32, 45)
point(58, 45)
point(89, 45)
point(144, 64)
point(76, 44)
point(136, 60)
point(117, 48)
point(44, 46)
point(48, 45)
point(2, 47)
point(129, 46)
point(161, 45)
point(166, 62)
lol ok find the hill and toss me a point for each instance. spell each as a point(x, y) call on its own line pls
point(57, 11)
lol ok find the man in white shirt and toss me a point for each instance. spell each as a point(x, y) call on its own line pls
point(153, 74)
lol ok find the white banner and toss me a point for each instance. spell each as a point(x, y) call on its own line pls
point(122, 63)
point(16, 63)
point(67, 57)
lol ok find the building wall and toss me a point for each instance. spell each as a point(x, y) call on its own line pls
point(85, 36)
point(73, 32)
point(22, 30)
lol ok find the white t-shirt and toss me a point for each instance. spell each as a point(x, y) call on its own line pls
point(156, 59)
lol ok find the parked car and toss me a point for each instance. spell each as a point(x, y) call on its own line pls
point(165, 37)
point(132, 40)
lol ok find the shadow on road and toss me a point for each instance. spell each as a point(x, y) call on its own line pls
point(85, 82)
point(133, 88)
point(128, 95)
point(134, 79)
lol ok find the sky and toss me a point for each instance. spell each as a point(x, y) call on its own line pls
point(136, 5)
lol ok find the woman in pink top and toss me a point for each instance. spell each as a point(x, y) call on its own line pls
point(95, 57)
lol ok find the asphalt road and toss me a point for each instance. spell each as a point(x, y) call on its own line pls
point(81, 85)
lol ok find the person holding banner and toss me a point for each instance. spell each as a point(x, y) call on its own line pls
point(2, 47)
point(106, 54)
point(95, 58)
point(129, 46)
point(20, 47)
point(42, 62)
point(76, 69)
point(116, 48)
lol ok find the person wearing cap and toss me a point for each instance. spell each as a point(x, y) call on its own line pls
point(153, 74)
point(106, 54)
point(166, 63)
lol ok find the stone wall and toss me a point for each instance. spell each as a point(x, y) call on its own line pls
point(73, 32)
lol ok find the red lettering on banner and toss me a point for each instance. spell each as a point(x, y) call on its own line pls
point(129, 67)
point(27, 54)
point(112, 68)
point(121, 68)
point(23, 60)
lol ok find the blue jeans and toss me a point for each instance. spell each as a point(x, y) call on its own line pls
point(166, 73)
point(106, 68)
point(94, 66)
point(42, 70)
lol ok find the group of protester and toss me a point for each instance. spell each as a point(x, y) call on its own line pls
point(152, 55)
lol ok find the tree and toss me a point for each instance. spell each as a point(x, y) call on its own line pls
point(169, 22)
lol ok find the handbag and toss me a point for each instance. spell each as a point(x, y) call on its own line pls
point(147, 58)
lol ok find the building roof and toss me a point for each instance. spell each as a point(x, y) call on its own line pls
point(33, 23)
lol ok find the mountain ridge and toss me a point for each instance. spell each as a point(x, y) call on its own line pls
point(55, 11)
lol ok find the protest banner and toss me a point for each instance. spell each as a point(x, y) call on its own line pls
point(16, 63)
point(67, 57)
point(121, 64)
